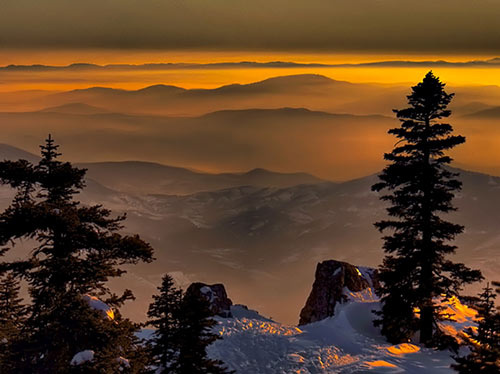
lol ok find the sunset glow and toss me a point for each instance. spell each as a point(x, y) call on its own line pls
point(212, 78)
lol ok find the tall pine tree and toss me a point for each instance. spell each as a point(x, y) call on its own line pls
point(484, 356)
point(78, 248)
point(419, 190)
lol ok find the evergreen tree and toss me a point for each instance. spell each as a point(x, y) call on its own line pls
point(11, 307)
point(420, 190)
point(164, 314)
point(183, 323)
point(195, 335)
point(78, 249)
point(12, 313)
point(484, 356)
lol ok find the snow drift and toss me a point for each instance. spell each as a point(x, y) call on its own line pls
point(344, 342)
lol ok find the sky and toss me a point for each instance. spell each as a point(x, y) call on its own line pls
point(335, 26)
point(61, 32)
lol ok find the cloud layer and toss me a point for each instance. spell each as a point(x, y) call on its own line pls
point(459, 26)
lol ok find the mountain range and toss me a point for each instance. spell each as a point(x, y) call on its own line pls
point(222, 141)
point(245, 64)
point(264, 240)
point(312, 91)
point(330, 128)
point(315, 92)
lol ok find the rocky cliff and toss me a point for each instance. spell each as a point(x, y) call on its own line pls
point(336, 282)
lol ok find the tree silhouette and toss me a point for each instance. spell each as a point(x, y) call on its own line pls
point(420, 190)
point(195, 335)
point(184, 323)
point(12, 316)
point(77, 249)
point(164, 315)
point(485, 343)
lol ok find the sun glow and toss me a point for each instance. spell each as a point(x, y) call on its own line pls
point(61, 57)
point(212, 78)
point(15, 80)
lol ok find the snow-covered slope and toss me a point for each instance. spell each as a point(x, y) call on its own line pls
point(345, 343)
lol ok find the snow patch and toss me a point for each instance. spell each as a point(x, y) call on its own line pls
point(241, 311)
point(123, 363)
point(82, 357)
point(402, 349)
point(346, 343)
point(364, 296)
point(463, 318)
point(208, 293)
point(99, 305)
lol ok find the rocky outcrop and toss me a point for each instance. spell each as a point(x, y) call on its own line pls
point(216, 294)
point(336, 282)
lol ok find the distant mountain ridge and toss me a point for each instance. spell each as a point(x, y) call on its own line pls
point(283, 112)
point(8, 152)
point(138, 177)
point(488, 113)
point(276, 84)
point(231, 139)
point(312, 91)
point(244, 64)
point(316, 92)
point(75, 108)
point(150, 178)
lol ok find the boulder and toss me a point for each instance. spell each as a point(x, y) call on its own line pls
point(336, 282)
point(216, 294)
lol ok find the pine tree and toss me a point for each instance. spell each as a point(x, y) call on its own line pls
point(11, 307)
point(420, 190)
point(195, 335)
point(78, 250)
point(164, 315)
point(183, 323)
point(484, 356)
point(11, 318)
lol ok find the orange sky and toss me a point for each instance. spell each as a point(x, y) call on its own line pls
point(137, 56)
point(210, 78)
point(63, 80)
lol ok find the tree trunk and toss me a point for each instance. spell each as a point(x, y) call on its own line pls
point(426, 325)
point(426, 306)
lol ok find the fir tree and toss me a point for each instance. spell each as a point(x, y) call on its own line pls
point(183, 323)
point(12, 313)
point(164, 314)
point(78, 250)
point(420, 190)
point(195, 335)
point(484, 356)
point(11, 307)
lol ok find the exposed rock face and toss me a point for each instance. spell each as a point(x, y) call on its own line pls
point(334, 280)
point(216, 294)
